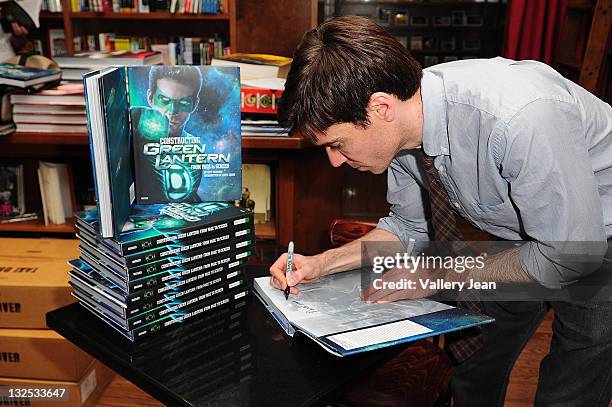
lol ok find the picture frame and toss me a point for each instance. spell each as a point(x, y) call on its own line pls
point(441, 21)
point(383, 16)
point(430, 43)
point(474, 20)
point(419, 21)
point(400, 18)
point(448, 44)
point(416, 43)
point(471, 45)
point(458, 18)
point(430, 60)
point(450, 58)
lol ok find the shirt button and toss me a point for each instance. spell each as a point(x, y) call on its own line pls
point(456, 204)
point(444, 150)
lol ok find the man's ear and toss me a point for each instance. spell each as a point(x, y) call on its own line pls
point(382, 105)
point(150, 97)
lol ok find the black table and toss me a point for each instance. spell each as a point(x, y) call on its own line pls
point(235, 357)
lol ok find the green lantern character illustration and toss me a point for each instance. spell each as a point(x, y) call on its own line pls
point(160, 135)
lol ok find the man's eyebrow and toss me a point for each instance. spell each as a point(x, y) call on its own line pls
point(329, 143)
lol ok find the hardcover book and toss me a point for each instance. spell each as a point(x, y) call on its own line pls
point(184, 122)
point(22, 77)
point(152, 226)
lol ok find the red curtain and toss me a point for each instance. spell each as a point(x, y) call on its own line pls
point(533, 28)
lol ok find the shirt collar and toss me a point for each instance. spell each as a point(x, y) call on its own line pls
point(435, 132)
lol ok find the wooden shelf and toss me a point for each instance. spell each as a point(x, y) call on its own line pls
point(263, 142)
point(38, 226)
point(45, 138)
point(291, 142)
point(265, 230)
point(157, 15)
point(50, 16)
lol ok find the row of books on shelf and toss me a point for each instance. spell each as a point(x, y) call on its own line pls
point(52, 6)
point(147, 6)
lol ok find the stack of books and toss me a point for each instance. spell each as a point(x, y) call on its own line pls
point(170, 264)
point(163, 246)
point(58, 109)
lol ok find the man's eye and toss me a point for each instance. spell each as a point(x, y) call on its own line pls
point(185, 102)
point(163, 99)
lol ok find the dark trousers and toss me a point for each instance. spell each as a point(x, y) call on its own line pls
point(576, 372)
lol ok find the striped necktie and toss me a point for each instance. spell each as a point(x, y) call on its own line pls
point(465, 343)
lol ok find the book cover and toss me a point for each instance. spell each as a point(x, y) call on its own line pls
point(21, 76)
point(186, 129)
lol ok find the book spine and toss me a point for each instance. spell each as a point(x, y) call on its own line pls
point(191, 299)
point(189, 314)
point(185, 247)
point(188, 258)
point(146, 299)
point(224, 264)
point(185, 234)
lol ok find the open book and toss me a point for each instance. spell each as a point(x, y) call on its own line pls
point(332, 314)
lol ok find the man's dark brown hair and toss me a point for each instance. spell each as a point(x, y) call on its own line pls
point(335, 70)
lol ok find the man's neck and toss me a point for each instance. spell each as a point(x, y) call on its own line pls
point(412, 122)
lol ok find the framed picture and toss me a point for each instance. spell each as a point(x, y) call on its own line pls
point(473, 21)
point(447, 44)
point(419, 21)
point(458, 18)
point(12, 200)
point(471, 45)
point(441, 21)
point(402, 40)
point(401, 18)
point(451, 58)
point(416, 43)
point(383, 16)
point(430, 43)
point(430, 60)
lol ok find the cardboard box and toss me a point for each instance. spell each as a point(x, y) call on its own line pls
point(40, 354)
point(33, 279)
point(84, 392)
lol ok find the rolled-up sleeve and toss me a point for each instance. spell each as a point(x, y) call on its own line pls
point(407, 217)
point(555, 192)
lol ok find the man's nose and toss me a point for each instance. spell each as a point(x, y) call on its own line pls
point(336, 158)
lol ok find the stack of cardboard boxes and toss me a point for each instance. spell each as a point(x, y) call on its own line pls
point(34, 280)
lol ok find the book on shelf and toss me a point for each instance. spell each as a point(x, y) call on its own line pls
point(103, 59)
point(48, 109)
point(54, 183)
point(23, 77)
point(12, 198)
point(185, 125)
point(50, 128)
point(42, 99)
point(147, 6)
point(254, 66)
point(50, 118)
point(331, 313)
point(259, 100)
point(7, 128)
point(57, 42)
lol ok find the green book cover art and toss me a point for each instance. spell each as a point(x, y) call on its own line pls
point(186, 131)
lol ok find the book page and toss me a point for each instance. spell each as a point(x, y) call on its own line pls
point(378, 334)
point(333, 305)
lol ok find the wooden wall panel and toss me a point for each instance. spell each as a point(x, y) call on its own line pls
point(273, 26)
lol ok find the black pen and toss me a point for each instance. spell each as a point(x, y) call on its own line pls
point(289, 268)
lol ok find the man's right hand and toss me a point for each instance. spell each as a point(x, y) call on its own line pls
point(306, 269)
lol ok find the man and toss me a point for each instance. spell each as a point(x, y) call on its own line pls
point(520, 152)
point(173, 95)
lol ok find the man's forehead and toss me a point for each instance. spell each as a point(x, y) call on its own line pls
point(173, 88)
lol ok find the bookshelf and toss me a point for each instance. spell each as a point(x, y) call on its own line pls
point(79, 23)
